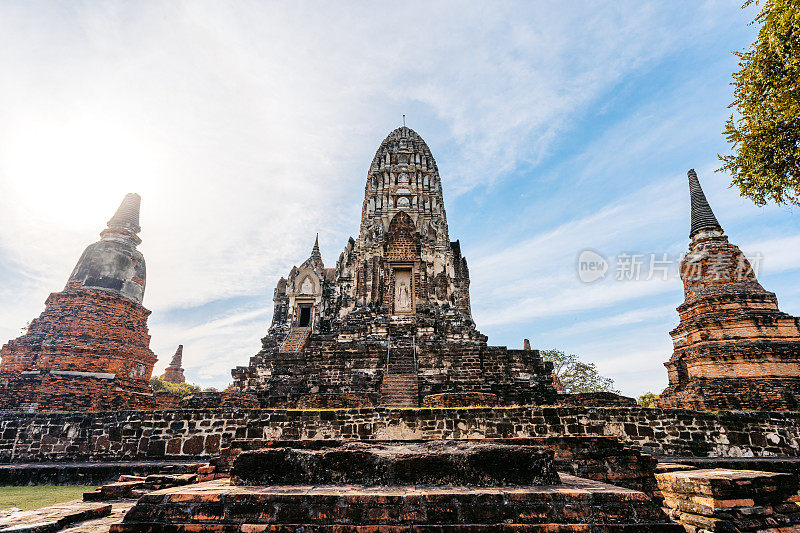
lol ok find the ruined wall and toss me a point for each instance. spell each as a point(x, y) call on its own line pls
point(516, 377)
point(129, 435)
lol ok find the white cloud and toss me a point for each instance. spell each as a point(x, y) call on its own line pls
point(777, 255)
point(621, 320)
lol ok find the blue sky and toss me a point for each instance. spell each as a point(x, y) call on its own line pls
point(247, 127)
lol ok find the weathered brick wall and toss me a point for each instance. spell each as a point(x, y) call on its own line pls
point(129, 435)
point(733, 348)
point(89, 349)
point(460, 399)
point(333, 400)
point(516, 377)
point(219, 399)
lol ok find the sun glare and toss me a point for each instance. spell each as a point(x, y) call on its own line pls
point(47, 164)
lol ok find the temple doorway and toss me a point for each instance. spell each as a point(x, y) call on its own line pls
point(403, 296)
point(305, 316)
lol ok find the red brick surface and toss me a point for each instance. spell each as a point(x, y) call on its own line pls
point(734, 349)
point(94, 332)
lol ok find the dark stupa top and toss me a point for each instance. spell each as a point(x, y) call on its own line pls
point(113, 263)
point(702, 216)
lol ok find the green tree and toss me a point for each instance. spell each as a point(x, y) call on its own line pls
point(764, 131)
point(576, 376)
point(648, 399)
point(178, 389)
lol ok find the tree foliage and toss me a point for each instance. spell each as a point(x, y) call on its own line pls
point(577, 376)
point(764, 131)
point(648, 399)
point(178, 389)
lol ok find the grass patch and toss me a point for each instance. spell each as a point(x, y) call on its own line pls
point(28, 498)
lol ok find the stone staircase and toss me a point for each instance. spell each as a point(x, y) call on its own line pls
point(400, 390)
point(296, 340)
point(400, 387)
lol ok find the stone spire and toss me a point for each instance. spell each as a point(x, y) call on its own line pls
point(733, 347)
point(113, 263)
point(125, 222)
point(174, 372)
point(404, 177)
point(127, 215)
point(315, 255)
point(703, 218)
point(177, 359)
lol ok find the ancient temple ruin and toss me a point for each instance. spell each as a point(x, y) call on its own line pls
point(89, 349)
point(174, 372)
point(734, 349)
point(390, 323)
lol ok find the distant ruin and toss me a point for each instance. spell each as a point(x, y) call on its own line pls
point(174, 372)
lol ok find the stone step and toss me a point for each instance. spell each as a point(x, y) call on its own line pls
point(575, 504)
point(400, 390)
point(296, 340)
point(51, 518)
point(446, 462)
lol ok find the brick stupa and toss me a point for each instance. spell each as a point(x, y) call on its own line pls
point(174, 372)
point(89, 349)
point(734, 349)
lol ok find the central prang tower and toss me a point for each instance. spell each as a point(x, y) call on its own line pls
point(391, 322)
point(404, 247)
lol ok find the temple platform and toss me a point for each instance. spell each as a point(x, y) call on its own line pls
point(575, 504)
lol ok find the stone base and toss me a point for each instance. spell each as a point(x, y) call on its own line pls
point(401, 463)
point(602, 459)
point(85, 473)
point(88, 350)
point(731, 500)
point(596, 399)
point(460, 399)
point(788, 465)
point(574, 505)
point(762, 394)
